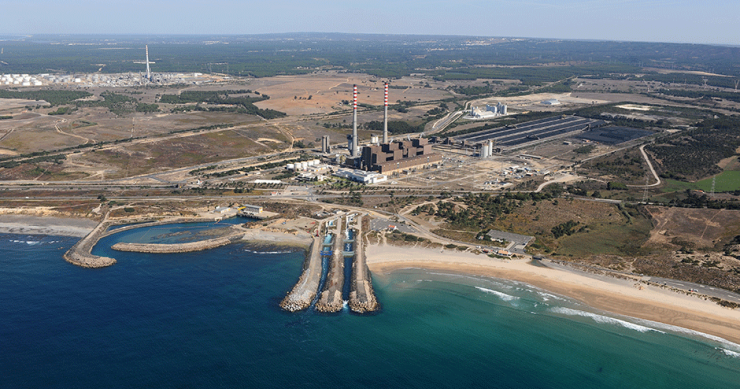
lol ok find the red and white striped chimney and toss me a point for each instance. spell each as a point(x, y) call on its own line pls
point(353, 151)
point(385, 115)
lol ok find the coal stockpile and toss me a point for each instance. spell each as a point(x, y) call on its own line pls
point(614, 135)
point(532, 131)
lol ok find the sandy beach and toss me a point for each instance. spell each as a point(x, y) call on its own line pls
point(601, 292)
point(45, 225)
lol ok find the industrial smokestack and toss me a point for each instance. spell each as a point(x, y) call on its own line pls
point(148, 73)
point(385, 115)
point(353, 152)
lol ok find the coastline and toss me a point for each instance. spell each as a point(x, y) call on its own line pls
point(46, 225)
point(601, 292)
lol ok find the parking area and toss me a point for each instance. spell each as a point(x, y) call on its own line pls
point(516, 242)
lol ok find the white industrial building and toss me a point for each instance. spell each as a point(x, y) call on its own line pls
point(490, 111)
point(361, 176)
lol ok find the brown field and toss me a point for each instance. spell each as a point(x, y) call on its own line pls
point(698, 228)
point(290, 94)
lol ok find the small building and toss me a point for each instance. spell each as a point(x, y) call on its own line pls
point(252, 208)
point(221, 209)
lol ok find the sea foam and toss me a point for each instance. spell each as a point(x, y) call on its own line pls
point(502, 296)
point(603, 319)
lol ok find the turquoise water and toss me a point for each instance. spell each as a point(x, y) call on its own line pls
point(211, 319)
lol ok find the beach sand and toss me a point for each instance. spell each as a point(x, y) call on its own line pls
point(45, 225)
point(601, 292)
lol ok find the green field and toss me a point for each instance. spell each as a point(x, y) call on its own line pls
point(726, 181)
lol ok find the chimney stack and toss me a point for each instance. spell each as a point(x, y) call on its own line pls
point(148, 73)
point(353, 152)
point(385, 115)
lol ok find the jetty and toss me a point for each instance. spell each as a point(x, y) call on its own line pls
point(304, 291)
point(362, 296)
point(80, 253)
point(330, 299)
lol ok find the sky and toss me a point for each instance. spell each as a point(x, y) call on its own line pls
point(697, 21)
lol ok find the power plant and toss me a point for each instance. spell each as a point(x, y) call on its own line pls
point(388, 157)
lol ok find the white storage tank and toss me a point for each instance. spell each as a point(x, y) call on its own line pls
point(290, 166)
point(304, 165)
point(484, 151)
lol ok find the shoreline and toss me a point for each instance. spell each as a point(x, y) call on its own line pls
point(46, 225)
point(601, 292)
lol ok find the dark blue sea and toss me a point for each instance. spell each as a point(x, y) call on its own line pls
point(211, 320)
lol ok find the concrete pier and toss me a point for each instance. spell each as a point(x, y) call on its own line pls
point(362, 296)
point(80, 254)
point(331, 297)
point(303, 293)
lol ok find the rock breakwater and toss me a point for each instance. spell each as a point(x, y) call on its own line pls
point(162, 248)
point(303, 293)
point(362, 296)
point(331, 297)
point(80, 254)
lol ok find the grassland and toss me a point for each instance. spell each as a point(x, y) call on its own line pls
point(726, 181)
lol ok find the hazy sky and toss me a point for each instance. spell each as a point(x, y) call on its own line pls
point(696, 21)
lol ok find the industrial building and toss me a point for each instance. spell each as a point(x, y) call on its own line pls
point(361, 176)
point(325, 145)
point(391, 157)
point(251, 208)
point(491, 111)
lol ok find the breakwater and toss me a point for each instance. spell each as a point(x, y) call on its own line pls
point(330, 299)
point(161, 248)
point(304, 291)
point(80, 253)
point(362, 296)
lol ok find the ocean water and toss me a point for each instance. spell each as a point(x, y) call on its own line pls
point(211, 320)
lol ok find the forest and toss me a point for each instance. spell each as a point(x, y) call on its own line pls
point(388, 56)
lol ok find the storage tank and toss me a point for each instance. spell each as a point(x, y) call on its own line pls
point(490, 147)
point(304, 165)
point(484, 151)
point(290, 166)
point(316, 162)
